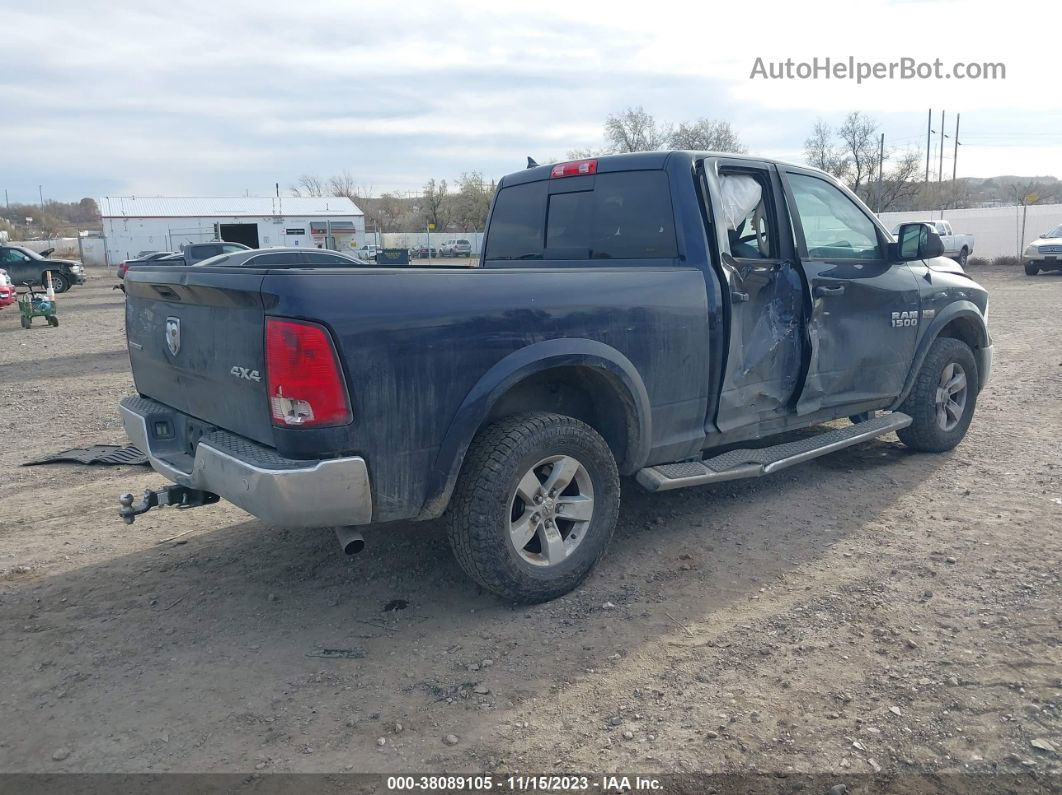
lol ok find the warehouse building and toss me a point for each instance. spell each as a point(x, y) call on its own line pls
point(135, 224)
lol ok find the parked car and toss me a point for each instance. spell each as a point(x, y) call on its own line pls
point(25, 266)
point(423, 251)
point(674, 306)
point(958, 247)
point(456, 248)
point(1045, 253)
point(8, 292)
point(278, 257)
point(140, 259)
point(367, 251)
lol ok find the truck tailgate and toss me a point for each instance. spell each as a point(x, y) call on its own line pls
point(196, 343)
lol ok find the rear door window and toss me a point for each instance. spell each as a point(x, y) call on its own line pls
point(516, 223)
point(627, 215)
point(317, 259)
point(289, 259)
point(202, 252)
point(622, 215)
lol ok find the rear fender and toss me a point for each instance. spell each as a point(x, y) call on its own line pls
point(513, 369)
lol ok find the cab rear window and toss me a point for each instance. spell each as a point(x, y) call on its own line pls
point(624, 215)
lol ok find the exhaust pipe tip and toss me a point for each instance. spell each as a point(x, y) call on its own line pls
point(350, 540)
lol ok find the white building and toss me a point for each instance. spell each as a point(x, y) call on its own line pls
point(135, 224)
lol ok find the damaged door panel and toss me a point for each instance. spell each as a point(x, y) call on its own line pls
point(767, 293)
point(863, 323)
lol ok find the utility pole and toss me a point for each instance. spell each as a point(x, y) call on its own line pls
point(940, 174)
point(881, 168)
point(40, 190)
point(929, 145)
point(955, 157)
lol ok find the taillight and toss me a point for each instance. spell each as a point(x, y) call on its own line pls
point(574, 169)
point(306, 388)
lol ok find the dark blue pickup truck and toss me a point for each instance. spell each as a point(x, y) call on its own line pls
point(657, 315)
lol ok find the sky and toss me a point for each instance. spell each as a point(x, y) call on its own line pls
point(191, 98)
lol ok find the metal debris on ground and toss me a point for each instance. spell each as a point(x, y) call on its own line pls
point(109, 454)
point(337, 654)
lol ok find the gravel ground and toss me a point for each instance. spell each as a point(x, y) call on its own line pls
point(873, 610)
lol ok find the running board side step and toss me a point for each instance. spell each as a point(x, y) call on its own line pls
point(754, 463)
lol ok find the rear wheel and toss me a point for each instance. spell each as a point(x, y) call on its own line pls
point(943, 398)
point(1031, 269)
point(535, 506)
point(963, 256)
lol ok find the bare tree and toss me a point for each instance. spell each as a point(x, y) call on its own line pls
point(706, 135)
point(388, 212)
point(345, 185)
point(472, 201)
point(635, 130)
point(436, 204)
point(900, 184)
point(821, 151)
point(859, 136)
point(308, 185)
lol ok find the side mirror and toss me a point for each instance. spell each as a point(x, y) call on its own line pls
point(916, 241)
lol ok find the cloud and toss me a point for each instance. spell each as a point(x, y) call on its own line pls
point(214, 98)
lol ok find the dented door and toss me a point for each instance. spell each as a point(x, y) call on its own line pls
point(863, 323)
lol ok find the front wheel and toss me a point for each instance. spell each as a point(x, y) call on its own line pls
point(943, 398)
point(59, 282)
point(1031, 269)
point(535, 506)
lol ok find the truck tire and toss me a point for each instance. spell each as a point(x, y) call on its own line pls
point(943, 398)
point(1031, 269)
point(59, 282)
point(535, 506)
point(963, 256)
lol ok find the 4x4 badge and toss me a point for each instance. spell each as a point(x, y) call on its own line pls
point(173, 335)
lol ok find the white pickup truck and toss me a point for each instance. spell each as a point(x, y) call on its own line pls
point(958, 247)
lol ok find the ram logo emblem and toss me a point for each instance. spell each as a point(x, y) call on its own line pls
point(904, 319)
point(173, 335)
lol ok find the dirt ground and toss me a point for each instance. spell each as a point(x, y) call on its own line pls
point(873, 610)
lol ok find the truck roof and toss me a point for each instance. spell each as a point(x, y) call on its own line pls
point(636, 161)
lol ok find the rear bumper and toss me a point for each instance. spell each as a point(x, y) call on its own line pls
point(282, 492)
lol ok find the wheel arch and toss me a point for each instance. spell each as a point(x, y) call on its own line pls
point(586, 379)
point(961, 320)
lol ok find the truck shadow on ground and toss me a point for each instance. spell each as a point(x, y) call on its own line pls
point(241, 630)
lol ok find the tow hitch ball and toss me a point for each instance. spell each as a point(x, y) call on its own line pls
point(177, 496)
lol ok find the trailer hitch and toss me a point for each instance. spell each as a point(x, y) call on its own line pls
point(177, 496)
